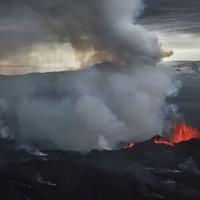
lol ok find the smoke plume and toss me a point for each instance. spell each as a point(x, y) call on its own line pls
point(97, 31)
point(98, 107)
point(95, 108)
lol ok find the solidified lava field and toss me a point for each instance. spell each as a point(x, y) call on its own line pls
point(146, 171)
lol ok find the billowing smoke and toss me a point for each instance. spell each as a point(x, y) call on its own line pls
point(98, 31)
point(98, 107)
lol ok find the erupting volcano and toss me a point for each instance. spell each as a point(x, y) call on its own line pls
point(181, 132)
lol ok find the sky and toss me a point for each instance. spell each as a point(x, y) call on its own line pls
point(177, 24)
point(32, 32)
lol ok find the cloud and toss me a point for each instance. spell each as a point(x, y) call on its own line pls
point(172, 16)
point(98, 31)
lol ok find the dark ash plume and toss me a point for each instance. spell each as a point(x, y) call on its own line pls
point(98, 31)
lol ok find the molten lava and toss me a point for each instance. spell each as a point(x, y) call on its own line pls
point(181, 132)
point(129, 146)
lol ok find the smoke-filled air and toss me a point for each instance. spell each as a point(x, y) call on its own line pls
point(120, 96)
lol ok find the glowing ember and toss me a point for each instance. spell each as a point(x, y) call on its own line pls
point(180, 132)
point(130, 145)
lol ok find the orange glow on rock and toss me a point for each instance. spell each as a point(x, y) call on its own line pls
point(130, 146)
point(181, 132)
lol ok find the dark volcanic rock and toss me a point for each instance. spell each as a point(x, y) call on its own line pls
point(147, 171)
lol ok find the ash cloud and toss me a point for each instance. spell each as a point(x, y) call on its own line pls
point(98, 107)
point(102, 30)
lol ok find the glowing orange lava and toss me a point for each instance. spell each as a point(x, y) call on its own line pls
point(181, 132)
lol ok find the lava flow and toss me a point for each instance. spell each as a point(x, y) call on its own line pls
point(181, 132)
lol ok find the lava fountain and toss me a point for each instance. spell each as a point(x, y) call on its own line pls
point(181, 132)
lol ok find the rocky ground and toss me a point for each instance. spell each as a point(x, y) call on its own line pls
point(146, 171)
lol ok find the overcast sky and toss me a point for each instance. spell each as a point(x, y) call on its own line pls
point(177, 23)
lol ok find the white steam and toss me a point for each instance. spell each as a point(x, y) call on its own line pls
point(97, 107)
point(131, 37)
